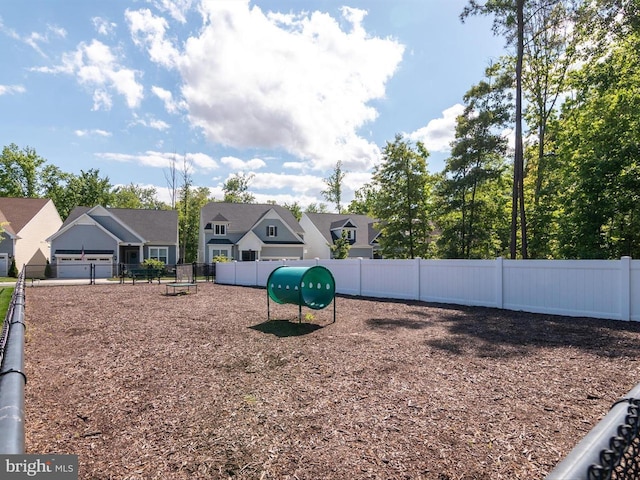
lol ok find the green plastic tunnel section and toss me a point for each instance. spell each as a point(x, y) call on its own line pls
point(312, 287)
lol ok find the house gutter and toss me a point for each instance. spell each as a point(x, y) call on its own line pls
point(12, 377)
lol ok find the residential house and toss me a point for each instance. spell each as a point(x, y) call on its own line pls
point(245, 232)
point(106, 237)
point(323, 229)
point(27, 223)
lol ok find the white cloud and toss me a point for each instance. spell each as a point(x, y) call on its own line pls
point(440, 132)
point(150, 122)
point(11, 89)
point(176, 8)
point(96, 131)
point(95, 66)
point(237, 164)
point(295, 82)
point(148, 31)
point(170, 105)
point(35, 39)
point(155, 159)
point(103, 26)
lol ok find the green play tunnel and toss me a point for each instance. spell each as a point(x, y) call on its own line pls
point(312, 287)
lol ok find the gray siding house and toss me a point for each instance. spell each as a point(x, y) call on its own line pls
point(108, 236)
point(323, 229)
point(246, 232)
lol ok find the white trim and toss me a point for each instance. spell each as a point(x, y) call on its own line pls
point(83, 219)
point(160, 247)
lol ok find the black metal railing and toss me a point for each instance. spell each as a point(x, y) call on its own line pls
point(611, 450)
point(12, 376)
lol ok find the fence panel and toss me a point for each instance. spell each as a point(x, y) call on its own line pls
point(346, 274)
point(634, 289)
point(461, 282)
point(589, 288)
point(391, 279)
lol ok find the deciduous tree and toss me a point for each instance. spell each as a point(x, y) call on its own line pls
point(403, 204)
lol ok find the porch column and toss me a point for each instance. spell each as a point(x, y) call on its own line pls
point(141, 253)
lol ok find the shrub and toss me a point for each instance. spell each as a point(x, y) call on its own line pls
point(13, 270)
point(220, 259)
point(153, 263)
point(47, 270)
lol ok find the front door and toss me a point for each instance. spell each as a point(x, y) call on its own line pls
point(131, 257)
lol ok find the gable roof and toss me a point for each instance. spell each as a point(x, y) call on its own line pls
point(19, 211)
point(327, 222)
point(242, 217)
point(157, 226)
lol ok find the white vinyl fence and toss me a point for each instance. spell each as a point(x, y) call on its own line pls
point(580, 288)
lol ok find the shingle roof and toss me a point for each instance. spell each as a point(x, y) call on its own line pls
point(243, 216)
point(19, 211)
point(157, 226)
point(325, 222)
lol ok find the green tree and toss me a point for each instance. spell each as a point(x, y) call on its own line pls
point(316, 208)
point(189, 220)
point(403, 204)
point(333, 193)
point(509, 20)
point(135, 196)
point(294, 208)
point(599, 152)
point(470, 206)
point(89, 189)
point(19, 172)
point(13, 269)
point(549, 52)
point(236, 189)
point(363, 202)
point(340, 248)
point(54, 185)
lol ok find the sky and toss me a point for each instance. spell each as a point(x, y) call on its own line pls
point(280, 90)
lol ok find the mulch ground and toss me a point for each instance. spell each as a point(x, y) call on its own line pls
point(146, 386)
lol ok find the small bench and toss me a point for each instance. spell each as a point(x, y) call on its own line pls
point(181, 288)
point(148, 274)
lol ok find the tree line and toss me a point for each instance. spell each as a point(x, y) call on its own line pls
point(569, 189)
point(571, 186)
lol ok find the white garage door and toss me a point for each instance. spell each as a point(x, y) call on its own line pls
point(75, 267)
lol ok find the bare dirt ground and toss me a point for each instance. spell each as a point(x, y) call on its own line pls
point(146, 386)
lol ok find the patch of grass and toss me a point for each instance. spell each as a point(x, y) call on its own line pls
point(5, 300)
point(8, 279)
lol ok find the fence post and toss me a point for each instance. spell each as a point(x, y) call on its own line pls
point(499, 282)
point(360, 276)
point(625, 288)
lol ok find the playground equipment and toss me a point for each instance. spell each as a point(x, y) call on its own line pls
point(312, 287)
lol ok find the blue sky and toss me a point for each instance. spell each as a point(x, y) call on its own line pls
point(281, 89)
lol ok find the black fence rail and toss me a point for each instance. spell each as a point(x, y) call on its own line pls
point(191, 272)
point(12, 377)
point(611, 450)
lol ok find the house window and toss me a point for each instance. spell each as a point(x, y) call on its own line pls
point(159, 253)
point(219, 253)
point(249, 255)
point(219, 229)
point(350, 234)
point(272, 231)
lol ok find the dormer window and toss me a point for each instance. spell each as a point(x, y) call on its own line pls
point(219, 229)
point(272, 231)
point(350, 233)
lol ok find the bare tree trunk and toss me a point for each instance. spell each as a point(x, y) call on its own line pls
point(518, 207)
